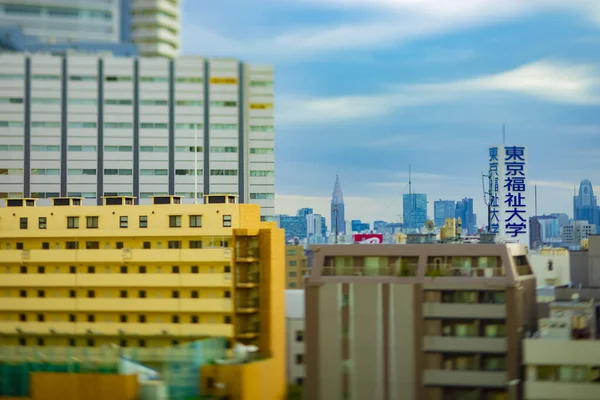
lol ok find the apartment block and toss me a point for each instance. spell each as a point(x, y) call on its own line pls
point(87, 126)
point(417, 321)
point(296, 266)
point(140, 275)
point(154, 26)
point(561, 361)
point(295, 332)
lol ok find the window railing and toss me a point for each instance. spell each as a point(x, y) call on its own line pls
point(250, 277)
point(396, 270)
point(248, 303)
point(449, 270)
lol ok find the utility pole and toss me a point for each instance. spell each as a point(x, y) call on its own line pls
point(488, 198)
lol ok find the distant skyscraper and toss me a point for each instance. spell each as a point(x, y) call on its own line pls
point(359, 226)
point(315, 225)
point(464, 211)
point(443, 209)
point(585, 205)
point(414, 210)
point(303, 212)
point(338, 214)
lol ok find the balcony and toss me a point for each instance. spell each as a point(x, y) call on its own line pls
point(561, 390)
point(449, 270)
point(247, 306)
point(570, 352)
point(63, 256)
point(152, 280)
point(483, 379)
point(464, 310)
point(389, 271)
point(248, 280)
point(465, 344)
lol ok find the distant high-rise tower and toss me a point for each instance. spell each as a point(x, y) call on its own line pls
point(464, 211)
point(443, 209)
point(414, 211)
point(338, 215)
point(585, 205)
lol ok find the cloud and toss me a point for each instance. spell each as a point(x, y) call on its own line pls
point(553, 81)
point(382, 23)
point(553, 184)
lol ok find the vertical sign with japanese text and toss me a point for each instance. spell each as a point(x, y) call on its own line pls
point(509, 199)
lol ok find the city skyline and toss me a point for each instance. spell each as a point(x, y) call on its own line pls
point(431, 94)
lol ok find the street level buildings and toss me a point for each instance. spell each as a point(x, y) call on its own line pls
point(424, 321)
point(88, 126)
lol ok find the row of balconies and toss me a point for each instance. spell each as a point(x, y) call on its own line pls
point(114, 329)
point(411, 270)
point(222, 305)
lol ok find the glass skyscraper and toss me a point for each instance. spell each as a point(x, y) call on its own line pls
point(338, 214)
point(414, 211)
point(585, 205)
point(443, 209)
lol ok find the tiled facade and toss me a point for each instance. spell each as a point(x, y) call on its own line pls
point(296, 264)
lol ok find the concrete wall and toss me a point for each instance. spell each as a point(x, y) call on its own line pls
point(580, 273)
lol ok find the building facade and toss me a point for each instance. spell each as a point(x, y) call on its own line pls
point(585, 205)
point(443, 209)
point(464, 211)
point(294, 320)
point(414, 211)
point(296, 266)
point(154, 26)
point(576, 231)
point(89, 127)
point(427, 321)
point(140, 275)
point(316, 225)
point(338, 211)
point(55, 21)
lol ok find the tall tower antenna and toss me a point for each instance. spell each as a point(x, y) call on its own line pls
point(410, 196)
point(503, 135)
point(487, 198)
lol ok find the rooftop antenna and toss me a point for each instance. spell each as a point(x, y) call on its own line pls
point(410, 196)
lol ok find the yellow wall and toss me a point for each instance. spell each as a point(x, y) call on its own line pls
point(64, 386)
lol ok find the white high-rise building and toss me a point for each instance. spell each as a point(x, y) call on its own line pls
point(155, 27)
point(90, 127)
point(65, 20)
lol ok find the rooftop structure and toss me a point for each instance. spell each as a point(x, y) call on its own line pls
point(423, 321)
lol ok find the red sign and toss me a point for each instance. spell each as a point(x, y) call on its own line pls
point(368, 238)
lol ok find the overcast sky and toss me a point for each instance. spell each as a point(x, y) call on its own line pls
point(366, 87)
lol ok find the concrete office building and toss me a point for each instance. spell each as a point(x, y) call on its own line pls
point(154, 26)
point(425, 321)
point(295, 266)
point(576, 231)
point(89, 127)
point(294, 321)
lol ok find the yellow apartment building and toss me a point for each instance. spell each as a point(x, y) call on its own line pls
point(296, 263)
point(142, 275)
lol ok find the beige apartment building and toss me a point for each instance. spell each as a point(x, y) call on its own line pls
point(422, 322)
point(296, 264)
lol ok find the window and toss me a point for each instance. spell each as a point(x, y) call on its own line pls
point(123, 294)
point(23, 222)
point(72, 294)
point(261, 128)
point(195, 221)
point(227, 294)
point(40, 318)
point(175, 294)
point(92, 222)
point(292, 263)
point(119, 245)
point(19, 245)
point(72, 245)
point(175, 269)
point(227, 269)
point(142, 269)
point(40, 342)
point(262, 196)
point(143, 221)
point(299, 336)
point(90, 342)
point(262, 173)
point(92, 245)
point(91, 318)
point(257, 150)
point(91, 294)
point(175, 221)
point(146, 245)
point(194, 294)
point(41, 269)
point(154, 149)
point(73, 222)
point(175, 319)
point(123, 221)
point(42, 222)
point(91, 269)
point(22, 341)
point(22, 293)
point(195, 244)
point(72, 269)
point(299, 381)
point(174, 244)
point(142, 319)
point(45, 245)
point(227, 319)
point(142, 343)
point(227, 221)
point(299, 359)
point(23, 270)
point(123, 318)
point(224, 172)
point(142, 294)
point(194, 269)
point(194, 319)
point(22, 317)
point(72, 318)
point(41, 293)
point(223, 149)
